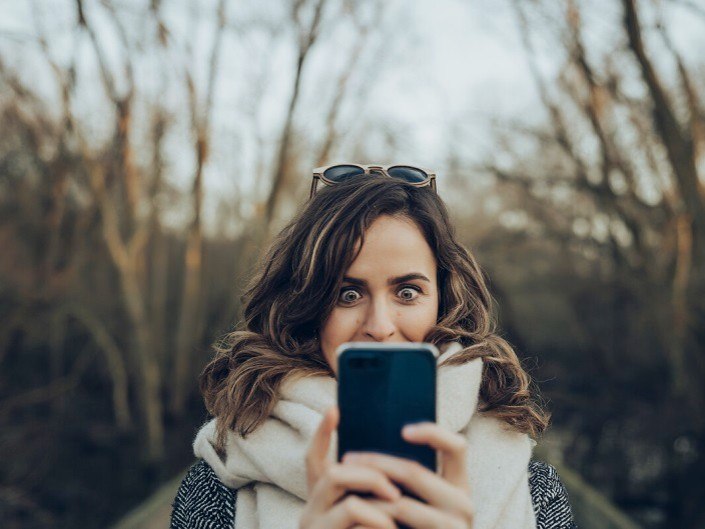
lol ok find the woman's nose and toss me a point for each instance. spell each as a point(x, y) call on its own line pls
point(379, 324)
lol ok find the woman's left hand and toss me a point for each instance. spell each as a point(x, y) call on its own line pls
point(449, 503)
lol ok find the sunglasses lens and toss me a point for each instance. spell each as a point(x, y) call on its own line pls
point(408, 174)
point(340, 173)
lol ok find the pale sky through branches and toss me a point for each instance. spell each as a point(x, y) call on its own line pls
point(437, 69)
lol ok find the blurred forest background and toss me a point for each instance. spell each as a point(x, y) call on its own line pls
point(148, 150)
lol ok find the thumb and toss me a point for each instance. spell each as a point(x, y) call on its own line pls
point(316, 461)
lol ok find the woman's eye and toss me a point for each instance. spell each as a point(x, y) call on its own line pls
point(348, 295)
point(408, 293)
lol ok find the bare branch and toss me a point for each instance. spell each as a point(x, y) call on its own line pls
point(678, 143)
point(697, 119)
point(114, 360)
point(107, 77)
point(189, 315)
point(307, 37)
point(342, 86)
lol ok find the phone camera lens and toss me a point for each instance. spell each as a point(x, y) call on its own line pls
point(366, 362)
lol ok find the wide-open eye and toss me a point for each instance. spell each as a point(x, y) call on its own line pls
point(348, 295)
point(409, 293)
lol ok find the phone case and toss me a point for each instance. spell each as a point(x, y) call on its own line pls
point(381, 388)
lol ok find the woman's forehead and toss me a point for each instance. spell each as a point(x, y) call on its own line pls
point(395, 247)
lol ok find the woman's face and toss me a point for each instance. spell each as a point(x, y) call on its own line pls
point(389, 293)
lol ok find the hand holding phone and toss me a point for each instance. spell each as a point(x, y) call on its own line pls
point(381, 389)
point(362, 494)
point(343, 495)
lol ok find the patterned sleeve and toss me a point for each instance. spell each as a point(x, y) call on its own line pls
point(549, 497)
point(202, 501)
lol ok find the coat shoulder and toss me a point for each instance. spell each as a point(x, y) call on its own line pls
point(549, 497)
point(202, 500)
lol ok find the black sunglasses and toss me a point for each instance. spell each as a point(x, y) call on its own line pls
point(336, 174)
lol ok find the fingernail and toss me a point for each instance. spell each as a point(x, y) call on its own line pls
point(410, 429)
point(351, 457)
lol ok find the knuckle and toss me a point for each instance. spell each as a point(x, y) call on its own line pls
point(351, 505)
point(413, 470)
point(383, 505)
point(402, 507)
point(387, 509)
point(381, 482)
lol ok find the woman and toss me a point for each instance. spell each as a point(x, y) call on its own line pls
point(372, 257)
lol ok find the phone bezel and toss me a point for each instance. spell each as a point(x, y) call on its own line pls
point(382, 346)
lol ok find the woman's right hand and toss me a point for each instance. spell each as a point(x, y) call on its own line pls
point(330, 504)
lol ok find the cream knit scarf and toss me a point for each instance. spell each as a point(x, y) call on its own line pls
point(268, 467)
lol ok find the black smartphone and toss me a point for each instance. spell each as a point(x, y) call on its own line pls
point(381, 388)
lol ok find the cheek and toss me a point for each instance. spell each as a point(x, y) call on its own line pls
point(338, 323)
point(415, 324)
point(340, 327)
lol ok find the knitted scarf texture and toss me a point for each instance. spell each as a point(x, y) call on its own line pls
point(268, 470)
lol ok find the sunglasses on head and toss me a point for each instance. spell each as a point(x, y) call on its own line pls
point(339, 173)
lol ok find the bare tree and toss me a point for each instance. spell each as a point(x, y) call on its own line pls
point(191, 299)
point(126, 232)
point(308, 32)
point(612, 185)
point(596, 101)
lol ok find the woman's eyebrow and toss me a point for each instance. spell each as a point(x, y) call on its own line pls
point(391, 281)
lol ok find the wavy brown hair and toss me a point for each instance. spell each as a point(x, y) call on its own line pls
point(297, 283)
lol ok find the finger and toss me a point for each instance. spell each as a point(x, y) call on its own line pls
point(416, 478)
point(316, 462)
point(451, 445)
point(354, 510)
point(418, 515)
point(342, 479)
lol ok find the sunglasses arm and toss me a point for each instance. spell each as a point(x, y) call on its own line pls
point(314, 183)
